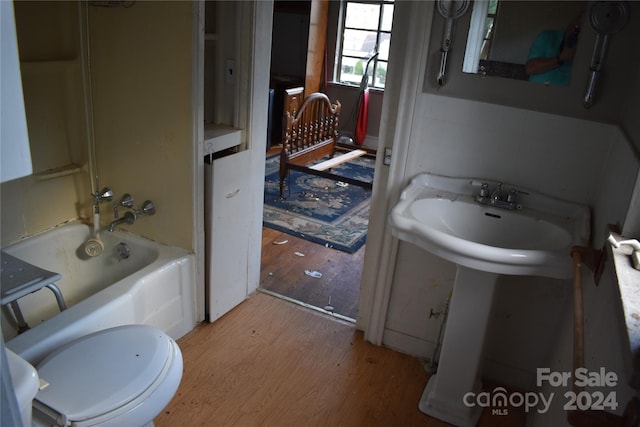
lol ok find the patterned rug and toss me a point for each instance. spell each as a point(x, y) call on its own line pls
point(321, 210)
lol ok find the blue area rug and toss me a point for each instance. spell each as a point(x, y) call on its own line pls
point(318, 209)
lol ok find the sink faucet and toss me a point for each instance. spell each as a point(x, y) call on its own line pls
point(496, 195)
point(497, 198)
point(129, 217)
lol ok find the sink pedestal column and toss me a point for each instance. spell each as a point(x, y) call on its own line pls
point(461, 354)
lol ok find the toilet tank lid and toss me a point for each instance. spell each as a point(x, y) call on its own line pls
point(103, 371)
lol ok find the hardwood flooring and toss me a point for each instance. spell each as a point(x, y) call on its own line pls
point(282, 272)
point(272, 363)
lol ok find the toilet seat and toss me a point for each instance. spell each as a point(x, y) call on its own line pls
point(104, 375)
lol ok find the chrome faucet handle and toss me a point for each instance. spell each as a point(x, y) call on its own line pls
point(126, 201)
point(512, 196)
point(484, 190)
point(148, 208)
point(104, 195)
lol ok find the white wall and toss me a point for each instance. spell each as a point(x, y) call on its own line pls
point(549, 153)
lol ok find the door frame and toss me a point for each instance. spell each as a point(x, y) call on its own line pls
point(253, 41)
point(403, 90)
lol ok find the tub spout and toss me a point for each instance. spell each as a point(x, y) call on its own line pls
point(129, 218)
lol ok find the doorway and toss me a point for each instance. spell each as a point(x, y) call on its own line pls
point(285, 257)
point(310, 273)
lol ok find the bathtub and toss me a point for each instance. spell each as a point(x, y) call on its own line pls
point(153, 286)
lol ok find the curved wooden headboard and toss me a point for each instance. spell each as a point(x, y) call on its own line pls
point(315, 123)
point(310, 134)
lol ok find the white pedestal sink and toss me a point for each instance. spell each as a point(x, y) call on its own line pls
point(461, 353)
point(440, 214)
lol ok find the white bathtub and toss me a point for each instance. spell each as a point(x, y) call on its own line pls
point(154, 286)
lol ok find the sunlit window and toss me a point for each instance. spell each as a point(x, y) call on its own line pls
point(365, 29)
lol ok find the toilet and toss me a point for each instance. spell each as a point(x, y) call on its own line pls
point(122, 376)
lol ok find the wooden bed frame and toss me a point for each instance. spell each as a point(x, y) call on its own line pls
point(310, 134)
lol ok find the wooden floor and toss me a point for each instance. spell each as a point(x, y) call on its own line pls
point(282, 272)
point(272, 363)
point(269, 362)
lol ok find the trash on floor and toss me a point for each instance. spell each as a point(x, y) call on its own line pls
point(315, 274)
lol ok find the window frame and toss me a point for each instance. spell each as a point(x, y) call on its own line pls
point(373, 80)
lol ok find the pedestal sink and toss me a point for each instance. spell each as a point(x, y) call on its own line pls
point(442, 215)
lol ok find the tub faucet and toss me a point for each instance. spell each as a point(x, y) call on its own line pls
point(128, 217)
point(126, 201)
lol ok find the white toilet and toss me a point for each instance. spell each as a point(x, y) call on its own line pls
point(122, 376)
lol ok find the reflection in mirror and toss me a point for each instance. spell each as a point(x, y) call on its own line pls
point(524, 40)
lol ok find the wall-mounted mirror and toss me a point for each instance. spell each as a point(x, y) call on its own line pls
point(505, 36)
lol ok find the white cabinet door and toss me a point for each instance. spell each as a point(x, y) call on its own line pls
point(228, 212)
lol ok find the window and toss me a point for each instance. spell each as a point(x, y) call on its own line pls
point(489, 28)
point(365, 29)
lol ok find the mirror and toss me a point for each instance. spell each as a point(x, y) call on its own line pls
point(524, 40)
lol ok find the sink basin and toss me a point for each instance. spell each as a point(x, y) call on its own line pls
point(440, 215)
